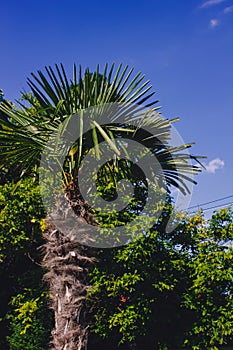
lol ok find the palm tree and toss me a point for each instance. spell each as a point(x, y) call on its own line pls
point(46, 110)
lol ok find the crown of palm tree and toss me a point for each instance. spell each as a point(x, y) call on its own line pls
point(53, 100)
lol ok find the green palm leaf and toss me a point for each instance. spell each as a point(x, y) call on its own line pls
point(54, 99)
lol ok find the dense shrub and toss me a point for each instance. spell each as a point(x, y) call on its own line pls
point(168, 290)
point(25, 319)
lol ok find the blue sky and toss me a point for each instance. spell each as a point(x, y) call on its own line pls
point(184, 47)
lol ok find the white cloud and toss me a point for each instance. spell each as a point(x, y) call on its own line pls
point(214, 23)
point(228, 9)
point(209, 3)
point(214, 165)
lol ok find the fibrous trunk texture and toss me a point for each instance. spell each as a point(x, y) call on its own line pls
point(67, 263)
point(67, 260)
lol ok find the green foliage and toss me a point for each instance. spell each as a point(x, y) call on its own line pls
point(55, 98)
point(167, 291)
point(136, 287)
point(28, 320)
point(25, 319)
point(210, 294)
point(159, 291)
point(20, 218)
point(164, 290)
point(181, 282)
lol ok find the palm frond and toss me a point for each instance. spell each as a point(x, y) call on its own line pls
point(54, 98)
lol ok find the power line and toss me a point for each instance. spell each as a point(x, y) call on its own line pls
point(215, 206)
point(216, 200)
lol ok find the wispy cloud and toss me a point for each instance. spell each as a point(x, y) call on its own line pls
point(214, 23)
point(228, 9)
point(209, 3)
point(214, 165)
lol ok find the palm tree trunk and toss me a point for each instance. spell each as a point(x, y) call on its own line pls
point(67, 263)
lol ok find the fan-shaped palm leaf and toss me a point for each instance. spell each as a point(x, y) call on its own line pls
point(54, 98)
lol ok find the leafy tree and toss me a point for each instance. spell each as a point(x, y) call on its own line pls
point(21, 216)
point(169, 291)
point(25, 135)
point(21, 224)
point(181, 282)
point(210, 294)
point(30, 321)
